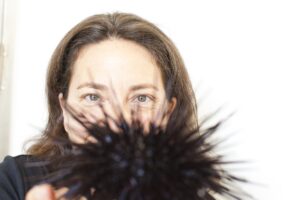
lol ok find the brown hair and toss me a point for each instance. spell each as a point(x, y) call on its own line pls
point(93, 30)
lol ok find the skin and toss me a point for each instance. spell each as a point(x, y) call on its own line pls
point(112, 72)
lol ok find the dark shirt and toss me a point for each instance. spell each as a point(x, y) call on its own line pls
point(16, 178)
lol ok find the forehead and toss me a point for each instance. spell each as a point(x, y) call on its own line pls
point(116, 60)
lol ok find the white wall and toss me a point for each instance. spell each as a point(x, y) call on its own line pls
point(245, 54)
point(7, 35)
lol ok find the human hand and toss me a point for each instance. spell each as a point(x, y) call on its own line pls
point(47, 192)
point(44, 192)
point(78, 118)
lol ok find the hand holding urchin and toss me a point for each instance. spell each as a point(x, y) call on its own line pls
point(166, 163)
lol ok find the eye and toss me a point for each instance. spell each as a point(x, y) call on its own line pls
point(142, 99)
point(91, 98)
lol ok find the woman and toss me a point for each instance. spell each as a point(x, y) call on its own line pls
point(109, 57)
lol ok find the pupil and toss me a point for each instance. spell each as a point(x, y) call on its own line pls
point(142, 98)
point(93, 97)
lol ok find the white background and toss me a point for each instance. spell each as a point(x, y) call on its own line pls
point(241, 54)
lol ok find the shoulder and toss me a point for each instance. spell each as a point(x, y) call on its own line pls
point(16, 177)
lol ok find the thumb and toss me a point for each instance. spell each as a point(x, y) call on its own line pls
point(41, 192)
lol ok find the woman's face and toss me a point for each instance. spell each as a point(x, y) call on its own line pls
point(114, 72)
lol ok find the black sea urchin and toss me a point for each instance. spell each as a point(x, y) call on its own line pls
point(175, 162)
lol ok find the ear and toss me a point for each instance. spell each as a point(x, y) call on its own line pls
point(62, 103)
point(172, 105)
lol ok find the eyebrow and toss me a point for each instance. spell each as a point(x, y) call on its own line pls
point(104, 87)
point(93, 85)
point(142, 86)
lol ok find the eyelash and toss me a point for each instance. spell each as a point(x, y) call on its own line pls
point(84, 97)
point(134, 99)
point(150, 98)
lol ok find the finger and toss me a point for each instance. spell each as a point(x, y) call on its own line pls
point(60, 192)
point(87, 116)
point(82, 135)
point(83, 119)
point(79, 120)
point(41, 192)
